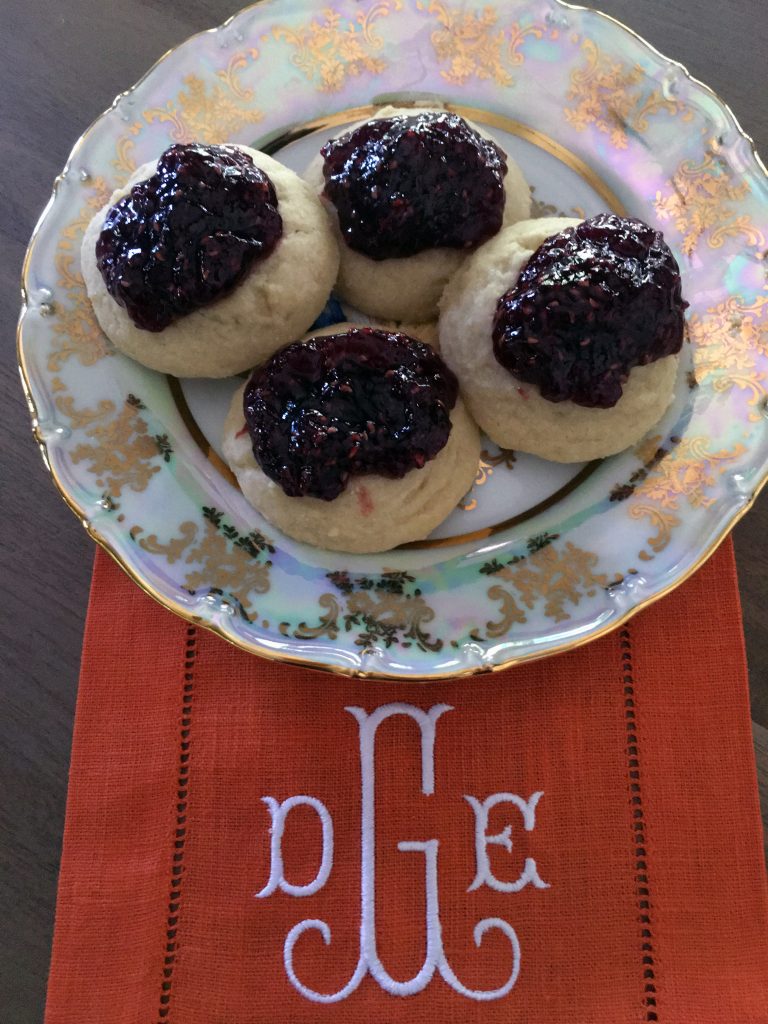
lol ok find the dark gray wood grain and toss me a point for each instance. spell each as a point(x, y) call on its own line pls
point(62, 65)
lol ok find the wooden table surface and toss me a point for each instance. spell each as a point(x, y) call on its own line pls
point(62, 65)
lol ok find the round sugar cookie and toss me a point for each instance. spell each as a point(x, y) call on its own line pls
point(514, 413)
point(373, 512)
point(277, 301)
point(408, 288)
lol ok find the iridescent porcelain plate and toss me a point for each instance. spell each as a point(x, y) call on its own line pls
point(538, 558)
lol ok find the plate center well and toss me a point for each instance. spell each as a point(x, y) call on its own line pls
point(510, 487)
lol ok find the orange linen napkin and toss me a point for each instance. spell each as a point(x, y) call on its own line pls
point(574, 840)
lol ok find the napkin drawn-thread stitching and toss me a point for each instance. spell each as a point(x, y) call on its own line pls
point(642, 890)
point(182, 793)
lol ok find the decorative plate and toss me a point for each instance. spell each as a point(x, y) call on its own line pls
point(538, 558)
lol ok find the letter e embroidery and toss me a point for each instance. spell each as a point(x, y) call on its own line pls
point(484, 875)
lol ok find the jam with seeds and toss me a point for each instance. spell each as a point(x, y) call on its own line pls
point(188, 234)
point(365, 401)
point(593, 302)
point(404, 184)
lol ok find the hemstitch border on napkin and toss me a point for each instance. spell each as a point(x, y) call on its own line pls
point(182, 794)
point(642, 890)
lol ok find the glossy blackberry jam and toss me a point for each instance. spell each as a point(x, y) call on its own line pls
point(592, 302)
point(365, 401)
point(188, 234)
point(404, 184)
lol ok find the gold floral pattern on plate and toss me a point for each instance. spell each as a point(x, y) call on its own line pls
point(77, 333)
point(203, 112)
point(228, 564)
point(488, 462)
point(119, 449)
point(703, 199)
point(550, 575)
point(331, 49)
point(540, 208)
point(687, 471)
point(475, 44)
point(124, 162)
point(380, 611)
point(728, 341)
point(612, 96)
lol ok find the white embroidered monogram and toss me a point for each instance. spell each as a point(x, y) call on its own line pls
point(435, 960)
point(485, 876)
point(279, 812)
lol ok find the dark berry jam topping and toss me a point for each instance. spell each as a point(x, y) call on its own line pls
point(365, 401)
point(187, 235)
point(404, 184)
point(592, 302)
